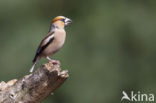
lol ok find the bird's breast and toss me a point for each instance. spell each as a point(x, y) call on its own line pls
point(57, 43)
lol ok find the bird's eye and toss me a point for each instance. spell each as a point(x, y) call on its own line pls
point(63, 20)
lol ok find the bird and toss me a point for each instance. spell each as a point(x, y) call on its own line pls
point(53, 41)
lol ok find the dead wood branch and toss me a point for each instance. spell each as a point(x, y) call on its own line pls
point(33, 88)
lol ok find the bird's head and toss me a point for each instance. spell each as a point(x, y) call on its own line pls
point(61, 21)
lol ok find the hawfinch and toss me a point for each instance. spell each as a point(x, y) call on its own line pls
point(53, 41)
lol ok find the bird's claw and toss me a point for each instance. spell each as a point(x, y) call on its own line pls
point(55, 62)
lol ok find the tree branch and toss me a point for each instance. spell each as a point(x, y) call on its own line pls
point(33, 88)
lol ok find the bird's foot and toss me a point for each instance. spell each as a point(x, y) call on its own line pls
point(54, 61)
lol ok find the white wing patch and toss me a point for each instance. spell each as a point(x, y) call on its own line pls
point(50, 37)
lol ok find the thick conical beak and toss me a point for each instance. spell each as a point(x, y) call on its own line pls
point(68, 21)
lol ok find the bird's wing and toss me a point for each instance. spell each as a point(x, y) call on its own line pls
point(44, 43)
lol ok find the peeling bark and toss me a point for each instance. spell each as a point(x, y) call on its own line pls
point(33, 88)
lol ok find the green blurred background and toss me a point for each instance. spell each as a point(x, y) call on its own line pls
point(110, 46)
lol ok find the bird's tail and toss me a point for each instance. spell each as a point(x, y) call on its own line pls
point(34, 64)
point(32, 68)
point(35, 60)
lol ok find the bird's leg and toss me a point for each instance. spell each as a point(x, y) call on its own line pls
point(52, 60)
